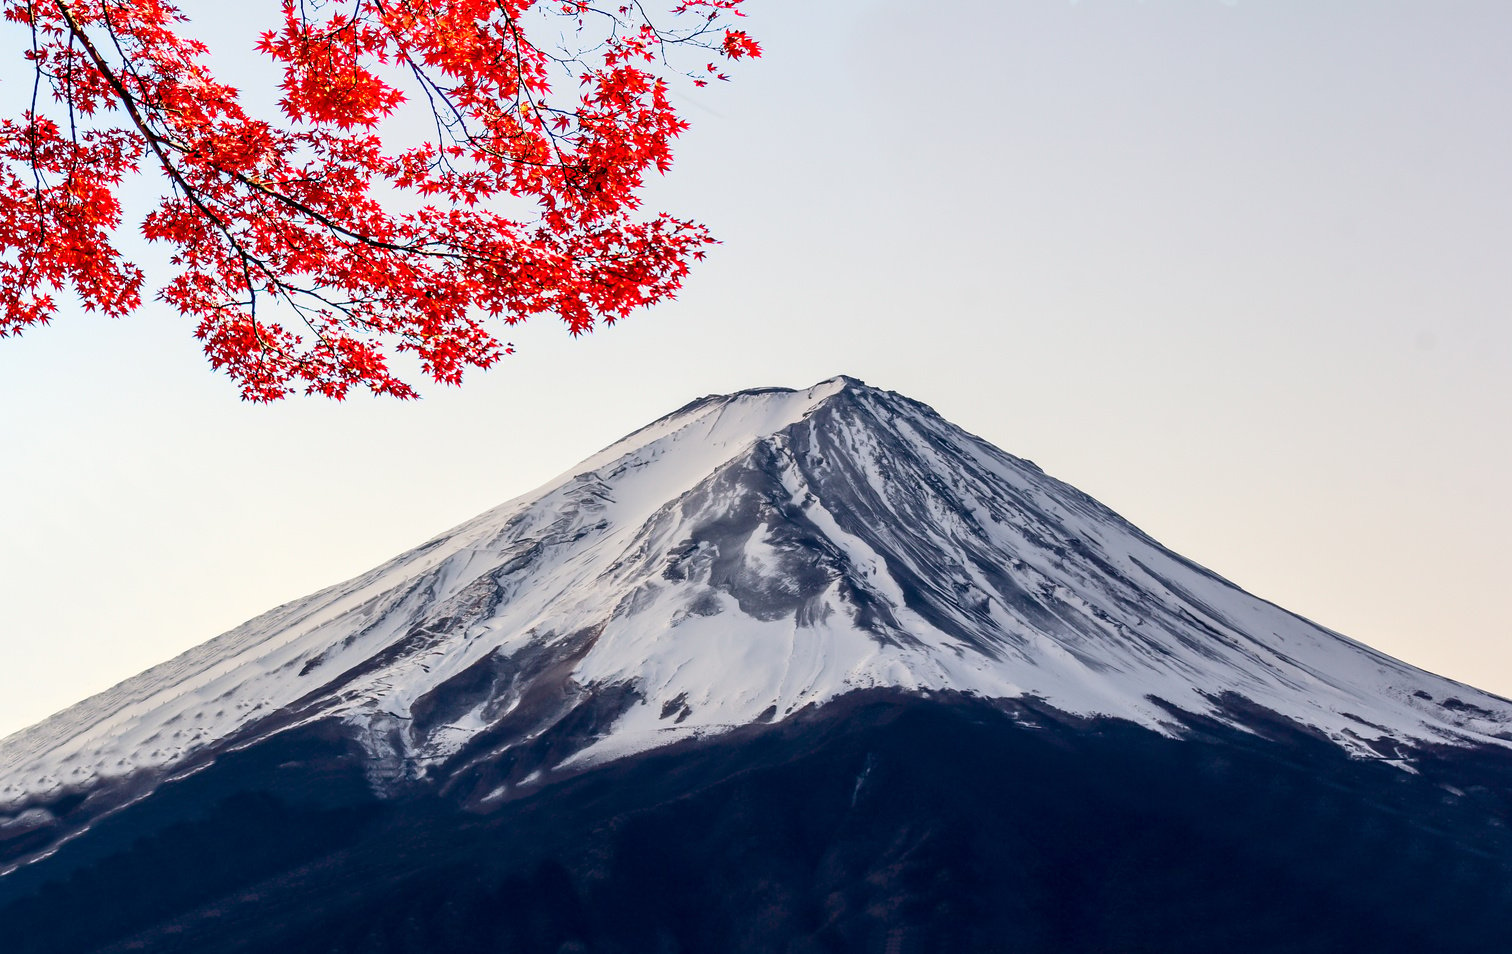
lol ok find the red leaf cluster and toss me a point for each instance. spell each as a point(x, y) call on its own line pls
point(311, 247)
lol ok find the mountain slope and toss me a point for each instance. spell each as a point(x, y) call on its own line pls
point(735, 561)
point(785, 670)
point(885, 821)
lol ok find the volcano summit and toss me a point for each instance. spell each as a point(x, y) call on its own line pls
point(784, 670)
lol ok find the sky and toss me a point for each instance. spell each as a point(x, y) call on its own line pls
point(1238, 269)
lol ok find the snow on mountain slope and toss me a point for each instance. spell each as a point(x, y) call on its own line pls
point(741, 558)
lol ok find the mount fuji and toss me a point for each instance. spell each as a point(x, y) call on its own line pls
point(806, 670)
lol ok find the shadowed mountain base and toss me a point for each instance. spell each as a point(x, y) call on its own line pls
point(881, 822)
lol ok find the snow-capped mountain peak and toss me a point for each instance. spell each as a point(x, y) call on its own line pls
point(740, 559)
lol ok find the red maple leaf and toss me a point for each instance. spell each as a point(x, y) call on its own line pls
point(296, 249)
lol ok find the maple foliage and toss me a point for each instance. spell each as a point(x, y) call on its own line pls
point(312, 245)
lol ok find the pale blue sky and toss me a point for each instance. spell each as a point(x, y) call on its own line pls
point(1238, 269)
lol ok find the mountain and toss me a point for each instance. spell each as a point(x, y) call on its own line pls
point(783, 670)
